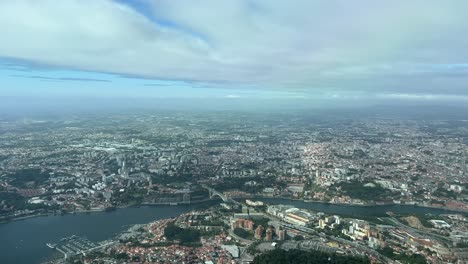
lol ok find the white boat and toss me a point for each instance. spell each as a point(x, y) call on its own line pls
point(51, 245)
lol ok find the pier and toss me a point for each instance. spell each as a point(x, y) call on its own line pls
point(76, 245)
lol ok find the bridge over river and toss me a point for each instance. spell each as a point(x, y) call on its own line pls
point(214, 193)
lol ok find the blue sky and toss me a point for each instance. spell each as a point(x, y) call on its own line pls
point(301, 49)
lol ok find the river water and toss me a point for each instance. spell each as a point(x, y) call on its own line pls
point(24, 241)
point(357, 210)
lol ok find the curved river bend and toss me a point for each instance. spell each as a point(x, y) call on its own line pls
point(24, 241)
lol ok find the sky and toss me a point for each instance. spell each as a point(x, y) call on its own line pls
point(362, 50)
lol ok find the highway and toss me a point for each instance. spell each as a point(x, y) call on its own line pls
point(423, 233)
point(243, 240)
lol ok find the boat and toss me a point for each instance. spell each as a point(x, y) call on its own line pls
point(51, 245)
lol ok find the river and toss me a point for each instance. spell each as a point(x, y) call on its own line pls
point(358, 210)
point(24, 241)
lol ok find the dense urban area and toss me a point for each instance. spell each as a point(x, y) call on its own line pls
point(86, 163)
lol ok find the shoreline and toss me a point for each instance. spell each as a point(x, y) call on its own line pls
point(50, 214)
point(449, 210)
point(102, 210)
point(458, 210)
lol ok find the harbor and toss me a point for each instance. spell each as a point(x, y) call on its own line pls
point(76, 245)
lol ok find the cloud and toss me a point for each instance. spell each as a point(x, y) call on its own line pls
point(157, 84)
point(338, 47)
point(424, 97)
point(60, 78)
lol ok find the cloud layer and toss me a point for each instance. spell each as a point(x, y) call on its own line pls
point(340, 47)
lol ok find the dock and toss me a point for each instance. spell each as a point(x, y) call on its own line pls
point(76, 245)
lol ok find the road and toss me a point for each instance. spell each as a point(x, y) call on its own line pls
point(243, 240)
point(425, 234)
point(313, 232)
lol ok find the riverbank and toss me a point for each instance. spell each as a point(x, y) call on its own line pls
point(454, 210)
point(20, 246)
point(58, 214)
point(184, 203)
point(54, 214)
point(447, 210)
point(25, 241)
point(96, 210)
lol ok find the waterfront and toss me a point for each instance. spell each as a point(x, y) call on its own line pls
point(24, 241)
point(360, 210)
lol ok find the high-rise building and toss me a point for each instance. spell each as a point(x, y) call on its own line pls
point(235, 223)
point(281, 233)
point(337, 219)
point(322, 223)
point(248, 225)
point(269, 234)
point(150, 182)
point(259, 232)
point(242, 223)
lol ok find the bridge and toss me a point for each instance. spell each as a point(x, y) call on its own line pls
point(214, 193)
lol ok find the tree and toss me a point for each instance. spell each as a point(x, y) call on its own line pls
point(298, 238)
point(243, 233)
point(294, 256)
point(184, 235)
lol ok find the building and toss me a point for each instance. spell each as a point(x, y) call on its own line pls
point(259, 232)
point(242, 223)
point(331, 221)
point(322, 223)
point(297, 217)
point(439, 224)
point(456, 188)
point(237, 223)
point(290, 214)
point(296, 189)
point(358, 230)
point(232, 249)
point(281, 233)
point(269, 234)
point(248, 225)
point(337, 219)
point(254, 204)
point(249, 215)
point(278, 210)
point(376, 243)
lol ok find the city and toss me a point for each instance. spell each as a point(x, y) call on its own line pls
point(78, 164)
point(233, 132)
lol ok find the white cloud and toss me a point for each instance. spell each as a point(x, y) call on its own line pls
point(304, 45)
point(232, 96)
point(423, 97)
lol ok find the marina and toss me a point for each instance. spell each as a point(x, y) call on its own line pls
point(76, 245)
